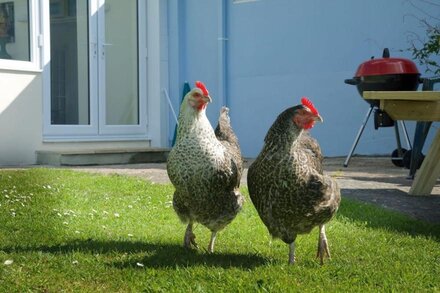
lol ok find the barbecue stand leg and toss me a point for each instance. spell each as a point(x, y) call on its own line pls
point(397, 154)
point(356, 140)
point(399, 145)
point(407, 140)
point(401, 157)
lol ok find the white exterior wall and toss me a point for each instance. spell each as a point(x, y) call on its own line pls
point(20, 117)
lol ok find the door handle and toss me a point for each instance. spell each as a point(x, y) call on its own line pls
point(103, 48)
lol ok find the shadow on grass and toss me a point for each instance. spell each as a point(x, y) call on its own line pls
point(402, 214)
point(156, 255)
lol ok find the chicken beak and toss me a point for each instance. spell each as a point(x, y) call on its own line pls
point(206, 99)
point(318, 118)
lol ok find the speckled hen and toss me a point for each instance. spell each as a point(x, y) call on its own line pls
point(205, 168)
point(286, 181)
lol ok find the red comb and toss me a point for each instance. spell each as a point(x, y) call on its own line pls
point(306, 102)
point(202, 87)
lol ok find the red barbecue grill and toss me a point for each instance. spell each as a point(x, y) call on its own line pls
point(385, 74)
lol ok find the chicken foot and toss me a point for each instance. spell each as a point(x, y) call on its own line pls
point(189, 240)
point(211, 243)
point(323, 249)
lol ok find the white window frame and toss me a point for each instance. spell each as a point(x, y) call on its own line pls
point(36, 41)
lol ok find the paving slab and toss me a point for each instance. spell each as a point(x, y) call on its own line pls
point(369, 179)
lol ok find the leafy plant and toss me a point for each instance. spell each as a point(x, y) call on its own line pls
point(425, 49)
point(426, 52)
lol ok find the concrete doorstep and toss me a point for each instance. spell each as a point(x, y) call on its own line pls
point(101, 157)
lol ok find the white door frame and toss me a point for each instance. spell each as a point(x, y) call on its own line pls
point(96, 130)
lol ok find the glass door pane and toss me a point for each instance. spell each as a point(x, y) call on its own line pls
point(70, 102)
point(121, 63)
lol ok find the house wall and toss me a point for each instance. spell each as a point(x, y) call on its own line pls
point(20, 117)
point(194, 51)
point(280, 50)
point(257, 57)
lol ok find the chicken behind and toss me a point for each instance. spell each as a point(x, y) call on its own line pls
point(286, 181)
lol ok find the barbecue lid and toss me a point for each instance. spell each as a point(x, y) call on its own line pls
point(386, 65)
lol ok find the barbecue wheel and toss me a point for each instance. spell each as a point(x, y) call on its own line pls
point(396, 159)
point(407, 160)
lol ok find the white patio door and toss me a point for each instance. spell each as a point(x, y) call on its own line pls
point(96, 68)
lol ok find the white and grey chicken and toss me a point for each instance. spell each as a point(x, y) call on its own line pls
point(205, 168)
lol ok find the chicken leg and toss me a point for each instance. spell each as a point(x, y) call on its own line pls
point(323, 249)
point(190, 237)
point(292, 253)
point(211, 243)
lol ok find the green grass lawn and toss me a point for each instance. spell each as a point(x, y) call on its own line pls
point(77, 232)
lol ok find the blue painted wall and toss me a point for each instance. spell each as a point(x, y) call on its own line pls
point(280, 50)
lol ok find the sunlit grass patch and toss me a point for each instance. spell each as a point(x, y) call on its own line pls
point(73, 231)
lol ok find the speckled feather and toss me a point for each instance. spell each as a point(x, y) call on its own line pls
point(205, 170)
point(286, 182)
point(227, 137)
